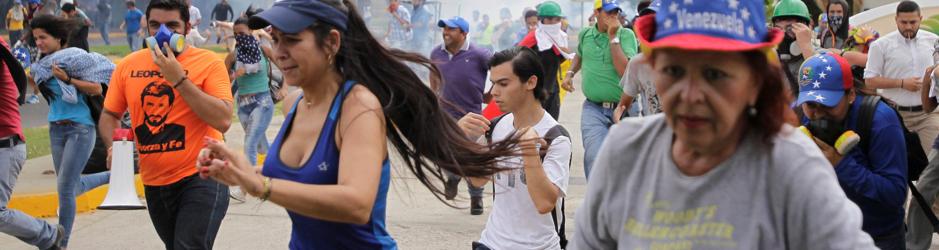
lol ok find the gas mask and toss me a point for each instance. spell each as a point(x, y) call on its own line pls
point(788, 49)
point(163, 36)
point(832, 133)
point(834, 22)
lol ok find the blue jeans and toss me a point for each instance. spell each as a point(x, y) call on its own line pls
point(103, 29)
point(71, 146)
point(133, 41)
point(14, 36)
point(255, 112)
point(30, 230)
point(595, 122)
point(188, 213)
point(895, 241)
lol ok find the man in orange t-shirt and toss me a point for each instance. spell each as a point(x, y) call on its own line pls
point(175, 101)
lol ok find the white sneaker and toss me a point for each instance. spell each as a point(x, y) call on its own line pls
point(236, 194)
point(33, 99)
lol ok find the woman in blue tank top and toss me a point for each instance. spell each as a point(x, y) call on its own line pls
point(328, 165)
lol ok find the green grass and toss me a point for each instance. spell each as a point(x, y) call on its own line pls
point(216, 48)
point(37, 142)
point(111, 50)
point(123, 50)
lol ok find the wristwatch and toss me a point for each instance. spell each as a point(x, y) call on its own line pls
point(615, 41)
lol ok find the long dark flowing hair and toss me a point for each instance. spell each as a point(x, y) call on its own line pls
point(426, 137)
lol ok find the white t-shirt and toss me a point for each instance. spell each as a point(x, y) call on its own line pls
point(514, 222)
point(194, 15)
point(638, 80)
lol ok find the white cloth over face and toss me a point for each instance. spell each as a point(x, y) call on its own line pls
point(551, 35)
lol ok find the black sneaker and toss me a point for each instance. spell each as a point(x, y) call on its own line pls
point(451, 188)
point(476, 205)
point(59, 236)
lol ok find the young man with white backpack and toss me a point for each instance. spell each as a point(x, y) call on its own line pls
point(527, 212)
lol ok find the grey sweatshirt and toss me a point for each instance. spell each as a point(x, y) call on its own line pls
point(784, 196)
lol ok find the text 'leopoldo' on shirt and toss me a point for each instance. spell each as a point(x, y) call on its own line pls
point(168, 133)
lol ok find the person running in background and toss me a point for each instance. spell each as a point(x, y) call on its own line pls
point(78, 37)
point(133, 20)
point(486, 33)
point(463, 68)
point(604, 53)
point(637, 82)
point(529, 24)
point(399, 27)
point(104, 21)
point(836, 34)
point(255, 104)
point(422, 22)
point(505, 30)
point(222, 13)
point(16, 20)
point(195, 38)
point(552, 46)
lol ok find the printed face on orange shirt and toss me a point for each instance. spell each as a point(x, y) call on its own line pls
point(157, 102)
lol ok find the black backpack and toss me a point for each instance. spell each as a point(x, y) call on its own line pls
point(553, 133)
point(915, 155)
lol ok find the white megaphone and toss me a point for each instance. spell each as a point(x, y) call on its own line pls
point(122, 193)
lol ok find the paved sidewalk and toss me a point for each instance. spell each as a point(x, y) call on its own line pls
point(415, 218)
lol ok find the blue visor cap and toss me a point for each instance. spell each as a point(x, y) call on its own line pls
point(455, 22)
point(292, 16)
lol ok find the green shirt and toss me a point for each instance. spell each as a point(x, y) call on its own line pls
point(256, 82)
point(600, 78)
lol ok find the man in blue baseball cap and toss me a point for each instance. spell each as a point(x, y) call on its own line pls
point(463, 67)
point(874, 174)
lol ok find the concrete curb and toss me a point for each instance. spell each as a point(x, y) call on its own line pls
point(45, 205)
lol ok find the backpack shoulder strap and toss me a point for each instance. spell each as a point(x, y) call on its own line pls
point(556, 132)
point(559, 222)
point(866, 119)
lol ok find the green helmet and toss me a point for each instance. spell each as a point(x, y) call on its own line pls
point(792, 8)
point(549, 9)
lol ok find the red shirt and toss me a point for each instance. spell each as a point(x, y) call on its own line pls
point(10, 123)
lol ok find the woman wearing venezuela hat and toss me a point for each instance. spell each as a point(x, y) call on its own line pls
point(718, 169)
point(328, 165)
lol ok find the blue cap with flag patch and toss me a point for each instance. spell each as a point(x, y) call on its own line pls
point(714, 25)
point(823, 79)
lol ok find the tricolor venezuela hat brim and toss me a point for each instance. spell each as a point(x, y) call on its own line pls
point(709, 26)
